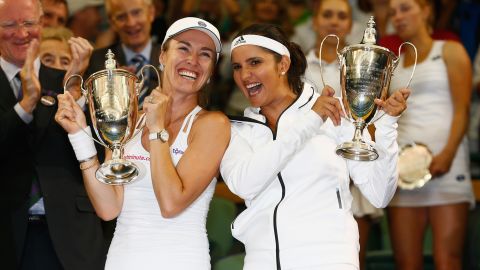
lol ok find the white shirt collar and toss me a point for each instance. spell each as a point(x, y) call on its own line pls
point(11, 69)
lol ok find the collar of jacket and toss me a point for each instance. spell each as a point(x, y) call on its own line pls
point(304, 100)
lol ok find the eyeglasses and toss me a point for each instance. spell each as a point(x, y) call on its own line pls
point(14, 26)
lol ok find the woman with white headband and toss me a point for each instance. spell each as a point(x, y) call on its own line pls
point(162, 215)
point(281, 160)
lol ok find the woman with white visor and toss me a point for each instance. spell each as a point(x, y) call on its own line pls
point(281, 160)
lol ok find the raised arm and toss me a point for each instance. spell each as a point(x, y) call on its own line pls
point(178, 187)
point(107, 200)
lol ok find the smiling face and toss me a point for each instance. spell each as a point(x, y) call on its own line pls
point(189, 59)
point(132, 20)
point(409, 17)
point(333, 17)
point(19, 25)
point(258, 74)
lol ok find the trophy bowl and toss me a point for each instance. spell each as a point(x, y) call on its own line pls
point(113, 107)
point(365, 73)
point(112, 98)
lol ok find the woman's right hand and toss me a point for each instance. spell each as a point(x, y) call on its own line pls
point(69, 114)
point(155, 107)
point(328, 106)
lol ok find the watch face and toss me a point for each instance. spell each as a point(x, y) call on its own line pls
point(164, 135)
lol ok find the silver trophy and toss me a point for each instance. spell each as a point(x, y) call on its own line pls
point(365, 73)
point(112, 97)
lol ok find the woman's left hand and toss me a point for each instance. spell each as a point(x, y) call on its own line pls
point(396, 103)
point(441, 163)
point(155, 107)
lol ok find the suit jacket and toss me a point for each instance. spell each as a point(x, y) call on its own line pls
point(41, 149)
point(97, 61)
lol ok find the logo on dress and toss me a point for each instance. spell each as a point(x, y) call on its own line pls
point(460, 178)
point(202, 24)
point(177, 151)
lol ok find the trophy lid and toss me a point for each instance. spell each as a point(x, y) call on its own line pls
point(110, 63)
point(370, 34)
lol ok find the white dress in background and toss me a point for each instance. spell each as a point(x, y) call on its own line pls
point(428, 120)
point(143, 239)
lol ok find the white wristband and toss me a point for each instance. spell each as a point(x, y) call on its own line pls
point(82, 144)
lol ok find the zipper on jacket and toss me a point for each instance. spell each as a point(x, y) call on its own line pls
point(280, 179)
point(339, 198)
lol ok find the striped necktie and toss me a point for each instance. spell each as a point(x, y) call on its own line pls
point(35, 192)
point(19, 86)
point(139, 61)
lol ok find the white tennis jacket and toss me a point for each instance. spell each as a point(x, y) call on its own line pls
point(296, 188)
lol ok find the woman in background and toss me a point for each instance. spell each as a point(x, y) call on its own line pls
point(437, 117)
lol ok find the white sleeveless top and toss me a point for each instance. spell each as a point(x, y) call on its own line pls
point(427, 120)
point(143, 239)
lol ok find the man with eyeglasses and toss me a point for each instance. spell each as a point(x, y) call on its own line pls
point(47, 221)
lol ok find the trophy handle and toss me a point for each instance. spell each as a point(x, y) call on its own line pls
point(414, 65)
point(85, 94)
point(320, 55)
point(140, 125)
point(139, 85)
point(396, 61)
point(340, 62)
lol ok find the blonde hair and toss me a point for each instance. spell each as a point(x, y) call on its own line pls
point(56, 33)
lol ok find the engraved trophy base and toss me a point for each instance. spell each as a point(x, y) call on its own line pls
point(117, 172)
point(360, 151)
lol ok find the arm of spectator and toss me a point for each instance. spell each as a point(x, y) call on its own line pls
point(476, 71)
point(456, 58)
point(81, 52)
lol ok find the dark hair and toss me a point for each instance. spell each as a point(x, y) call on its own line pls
point(298, 61)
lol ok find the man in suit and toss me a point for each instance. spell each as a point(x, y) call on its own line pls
point(47, 219)
point(132, 21)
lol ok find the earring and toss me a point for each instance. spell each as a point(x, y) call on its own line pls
point(161, 67)
point(283, 73)
point(208, 81)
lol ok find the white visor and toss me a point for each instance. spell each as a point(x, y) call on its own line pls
point(261, 41)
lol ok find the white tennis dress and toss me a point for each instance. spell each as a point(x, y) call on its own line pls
point(143, 239)
point(428, 120)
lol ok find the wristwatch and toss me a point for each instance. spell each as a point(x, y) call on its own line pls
point(162, 136)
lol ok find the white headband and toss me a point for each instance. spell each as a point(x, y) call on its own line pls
point(261, 41)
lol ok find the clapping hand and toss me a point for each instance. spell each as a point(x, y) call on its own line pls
point(81, 53)
point(31, 88)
